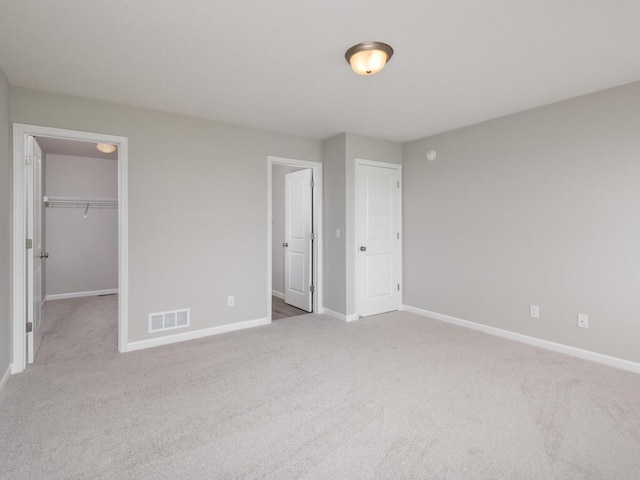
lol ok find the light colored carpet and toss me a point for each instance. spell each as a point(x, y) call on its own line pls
point(395, 396)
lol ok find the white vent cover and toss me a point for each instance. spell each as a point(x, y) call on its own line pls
point(168, 320)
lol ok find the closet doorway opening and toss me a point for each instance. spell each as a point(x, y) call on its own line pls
point(69, 235)
point(294, 238)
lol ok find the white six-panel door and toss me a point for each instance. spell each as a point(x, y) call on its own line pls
point(298, 243)
point(34, 259)
point(379, 262)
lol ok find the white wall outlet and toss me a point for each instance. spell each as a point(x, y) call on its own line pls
point(231, 301)
point(337, 233)
point(583, 320)
point(534, 311)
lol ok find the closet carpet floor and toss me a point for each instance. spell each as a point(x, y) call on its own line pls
point(394, 396)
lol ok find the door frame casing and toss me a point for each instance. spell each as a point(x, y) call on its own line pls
point(18, 254)
point(356, 237)
point(316, 167)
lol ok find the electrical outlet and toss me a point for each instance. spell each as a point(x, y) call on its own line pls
point(534, 311)
point(231, 301)
point(583, 320)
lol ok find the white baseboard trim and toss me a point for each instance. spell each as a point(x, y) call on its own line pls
point(205, 332)
point(92, 293)
point(275, 293)
point(5, 378)
point(331, 313)
point(341, 316)
point(536, 342)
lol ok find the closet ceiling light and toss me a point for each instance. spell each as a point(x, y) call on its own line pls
point(368, 58)
point(106, 147)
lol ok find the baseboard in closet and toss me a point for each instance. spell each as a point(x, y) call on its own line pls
point(92, 293)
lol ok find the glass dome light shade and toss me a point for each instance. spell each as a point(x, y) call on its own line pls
point(368, 58)
point(106, 147)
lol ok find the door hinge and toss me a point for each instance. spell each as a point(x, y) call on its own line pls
point(29, 327)
point(29, 244)
point(398, 235)
point(312, 289)
point(27, 160)
point(312, 236)
point(312, 183)
point(398, 287)
point(398, 183)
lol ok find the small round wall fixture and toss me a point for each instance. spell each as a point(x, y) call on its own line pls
point(106, 147)
point(368, 58)
point(431, 155)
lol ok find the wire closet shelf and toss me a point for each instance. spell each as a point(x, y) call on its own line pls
point(81, 202)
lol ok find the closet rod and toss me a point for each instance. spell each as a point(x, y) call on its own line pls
point(81, 201)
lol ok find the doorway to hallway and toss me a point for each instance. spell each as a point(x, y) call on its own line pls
point(294, 237)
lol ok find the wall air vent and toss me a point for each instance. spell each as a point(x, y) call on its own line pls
point(161, 321)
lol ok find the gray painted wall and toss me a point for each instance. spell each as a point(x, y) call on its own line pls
point(5, 227)
point(540, 207)
point(83, 252)
point(335, 277)
point(277, 206)
point(534, 208)
point(197, 204)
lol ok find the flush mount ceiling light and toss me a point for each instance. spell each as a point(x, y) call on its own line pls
point(106, 147)
point(368, 58)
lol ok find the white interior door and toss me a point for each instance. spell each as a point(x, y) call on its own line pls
point(378, 240)
point(298, 256)
point(34, 254)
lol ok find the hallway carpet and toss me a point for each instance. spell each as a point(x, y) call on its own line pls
point(395, 396)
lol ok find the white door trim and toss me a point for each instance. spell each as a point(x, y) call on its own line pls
point(18, 314)
point(355, 239)
point(318, 299)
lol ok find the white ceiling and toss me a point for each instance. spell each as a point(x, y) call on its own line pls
point(75, 148)
point(279, 65)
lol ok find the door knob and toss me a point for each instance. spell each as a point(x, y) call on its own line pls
point(363, 249)
point(285, 244)
point(44, 255)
